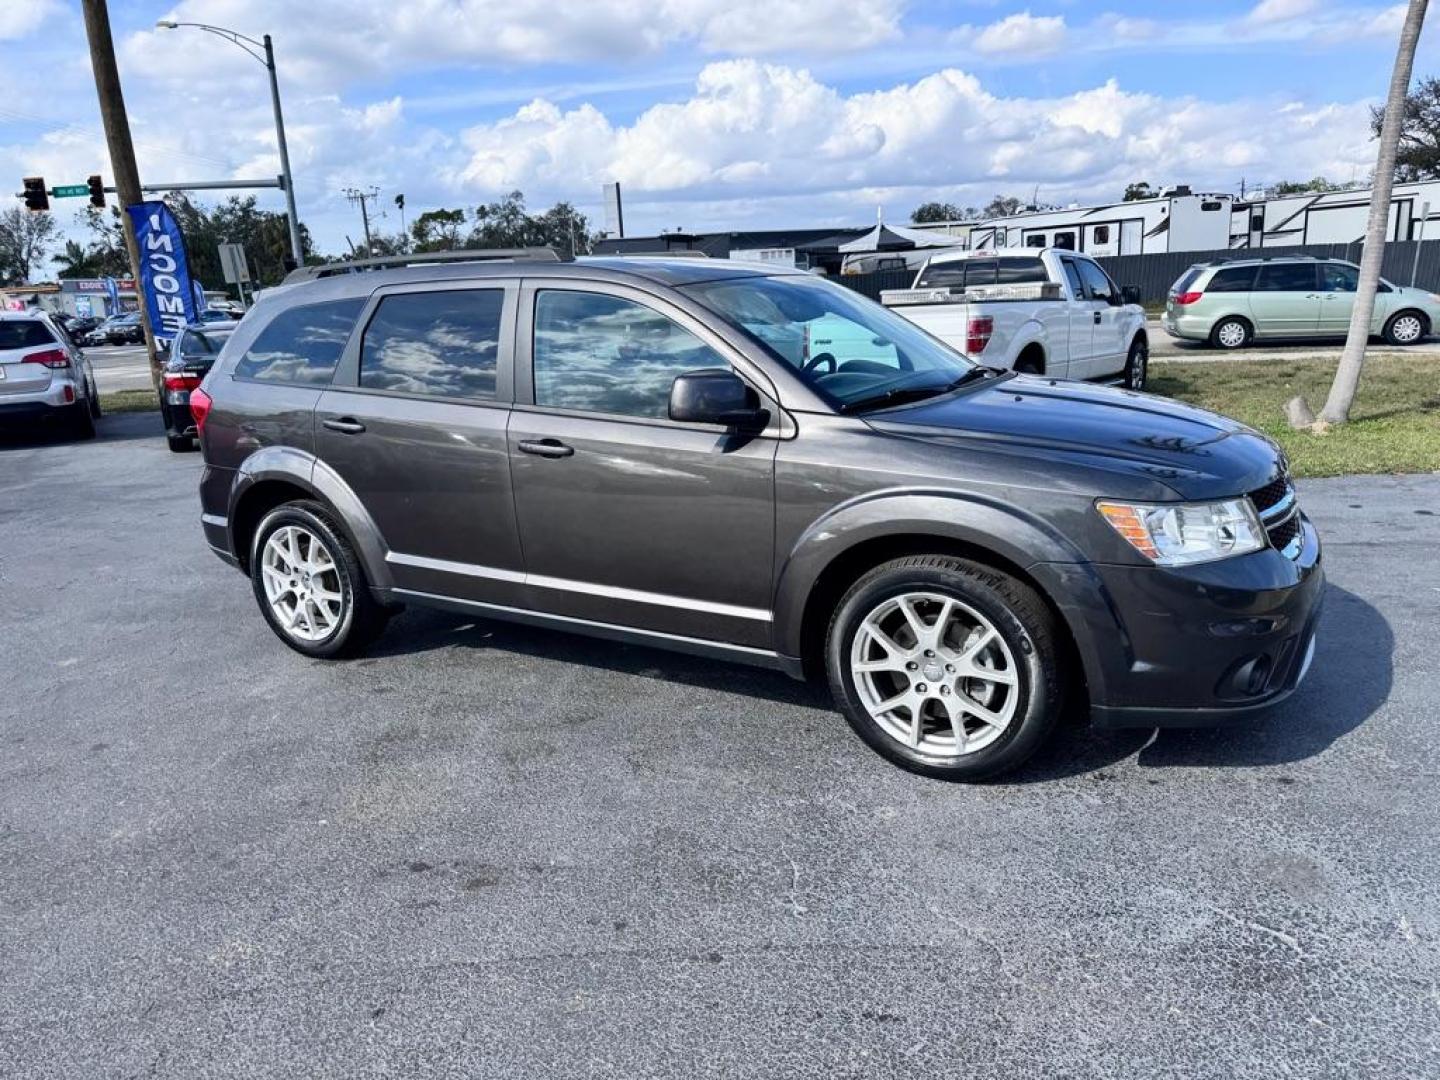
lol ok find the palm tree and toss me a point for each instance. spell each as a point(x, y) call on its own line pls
point(1347, 375)
point(78, 262)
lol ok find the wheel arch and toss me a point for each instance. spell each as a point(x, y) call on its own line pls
point(839, 549)
point(291, 475)
point(1034, 349)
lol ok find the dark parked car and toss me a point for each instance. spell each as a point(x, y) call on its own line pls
point(192, 352)
point(124, 330)
point(647, 450)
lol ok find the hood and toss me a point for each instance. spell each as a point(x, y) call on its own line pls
point(1197, 454)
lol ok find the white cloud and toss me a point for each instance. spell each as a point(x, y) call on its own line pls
point(1022, 34)
point(1272, 11)
point(21, 18)
point(753, 132)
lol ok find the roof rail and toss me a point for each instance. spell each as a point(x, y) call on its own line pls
point(383, 262)
point(684, 253)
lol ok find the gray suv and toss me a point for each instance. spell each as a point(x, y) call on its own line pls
point(661, 451)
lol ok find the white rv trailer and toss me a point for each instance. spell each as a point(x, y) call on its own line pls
point(1180, 221)
point(1332, 217)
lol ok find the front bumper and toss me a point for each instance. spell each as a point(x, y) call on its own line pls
point(1201, 645)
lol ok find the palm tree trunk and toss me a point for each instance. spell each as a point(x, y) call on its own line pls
point(1347, 375)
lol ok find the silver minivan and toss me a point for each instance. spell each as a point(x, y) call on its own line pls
point(1229, 304)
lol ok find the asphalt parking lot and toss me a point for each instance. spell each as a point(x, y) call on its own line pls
point(491, 851)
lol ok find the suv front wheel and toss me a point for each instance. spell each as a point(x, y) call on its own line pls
point(310, 585)
point(946, 667)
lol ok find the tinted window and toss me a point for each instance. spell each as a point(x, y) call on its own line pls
point(1182, 283)
point(199, 343)
point(301, 344)
point(604, 354)
point(18, 334)
point(1019, 271)
point(1065, 240)
point(1232, 279)
point(1035, 241)
point(942, 274)
point(442, 343)
point(1072, 275)
point(1097, 284)
point(1337, 277)
point(1286, 277)
point(980, 272)
point(1102, 234)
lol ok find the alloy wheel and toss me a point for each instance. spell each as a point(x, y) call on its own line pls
point(1407, 328)
point(934, 674)
point(302, 583)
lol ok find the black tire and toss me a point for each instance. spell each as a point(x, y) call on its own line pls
point(179, 444)
point(1398, 328)
point(1019, 615)
point(94, 402)
point(1030, 364)
point(1137, 365)
point(361, 619)
point(1224, 329)
point(81, 421)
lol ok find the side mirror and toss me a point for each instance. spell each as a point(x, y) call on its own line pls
point(715, 396)
point(1130, 294)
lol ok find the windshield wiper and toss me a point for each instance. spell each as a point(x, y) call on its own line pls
point(898, 395)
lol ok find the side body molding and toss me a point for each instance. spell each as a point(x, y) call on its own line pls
point(305, 471)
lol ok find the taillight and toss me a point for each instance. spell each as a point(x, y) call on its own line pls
point(200, 403)
point(977, 333)
point(181, 380)
point(51, 358)
point(1187, 297)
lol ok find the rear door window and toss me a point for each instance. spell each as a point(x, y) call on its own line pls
point(301, 344)
point(1232, 279)
point(24, 334)
point(1286, 277)
point(443, 343)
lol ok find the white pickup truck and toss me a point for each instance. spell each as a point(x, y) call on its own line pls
point(1040, 310)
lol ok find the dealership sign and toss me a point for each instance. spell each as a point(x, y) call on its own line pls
point(164, 269)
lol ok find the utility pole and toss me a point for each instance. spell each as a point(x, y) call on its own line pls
point(122, 153)
point(355, 195)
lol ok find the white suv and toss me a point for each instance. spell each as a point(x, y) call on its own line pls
point(43, 375)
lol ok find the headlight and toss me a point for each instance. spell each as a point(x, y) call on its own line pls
point(1179, 534)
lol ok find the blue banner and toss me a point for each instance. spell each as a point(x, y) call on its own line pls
point(164, 270)
point(112, 294)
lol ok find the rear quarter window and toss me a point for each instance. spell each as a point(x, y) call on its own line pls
point(1232, 279)
point(301, 344)
point(24, 334)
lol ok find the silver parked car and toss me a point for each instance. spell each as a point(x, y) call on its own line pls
point(43, 375)
point(1231, 303)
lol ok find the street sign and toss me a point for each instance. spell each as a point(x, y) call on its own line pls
point(234, 264)
point(70, 191)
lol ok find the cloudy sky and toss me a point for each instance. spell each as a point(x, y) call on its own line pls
point(711, 113)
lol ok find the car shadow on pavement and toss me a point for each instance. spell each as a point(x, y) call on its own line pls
point(115, 427)
point(1349, 680)
point(425, 629)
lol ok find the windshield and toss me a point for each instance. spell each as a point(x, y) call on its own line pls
point(849, 349)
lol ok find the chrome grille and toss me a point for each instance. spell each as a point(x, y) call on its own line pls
point(1280, 515)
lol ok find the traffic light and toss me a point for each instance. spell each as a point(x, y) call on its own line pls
point(400, 201)
point(35, 196)
point(97, 192)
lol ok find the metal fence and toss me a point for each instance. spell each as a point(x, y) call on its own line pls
point(1154, 274)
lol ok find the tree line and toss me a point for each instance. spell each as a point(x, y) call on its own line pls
point(27, 239)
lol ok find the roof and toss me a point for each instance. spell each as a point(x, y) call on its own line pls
point(999, 253)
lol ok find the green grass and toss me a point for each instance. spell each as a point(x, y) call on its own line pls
point(1394, 426)
point(119, 401)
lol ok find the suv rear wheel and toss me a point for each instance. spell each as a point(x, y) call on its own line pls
point(1231, 333)
point(944, 666)
point(310, 585)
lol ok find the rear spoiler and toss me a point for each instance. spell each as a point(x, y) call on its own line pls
point(1036, 290)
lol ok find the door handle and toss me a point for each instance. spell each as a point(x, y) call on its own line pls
point(1097, 318)
point(346, 425)
point(551, 448)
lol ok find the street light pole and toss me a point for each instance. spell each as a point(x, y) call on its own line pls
point(296, 249)
point(267, 57)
